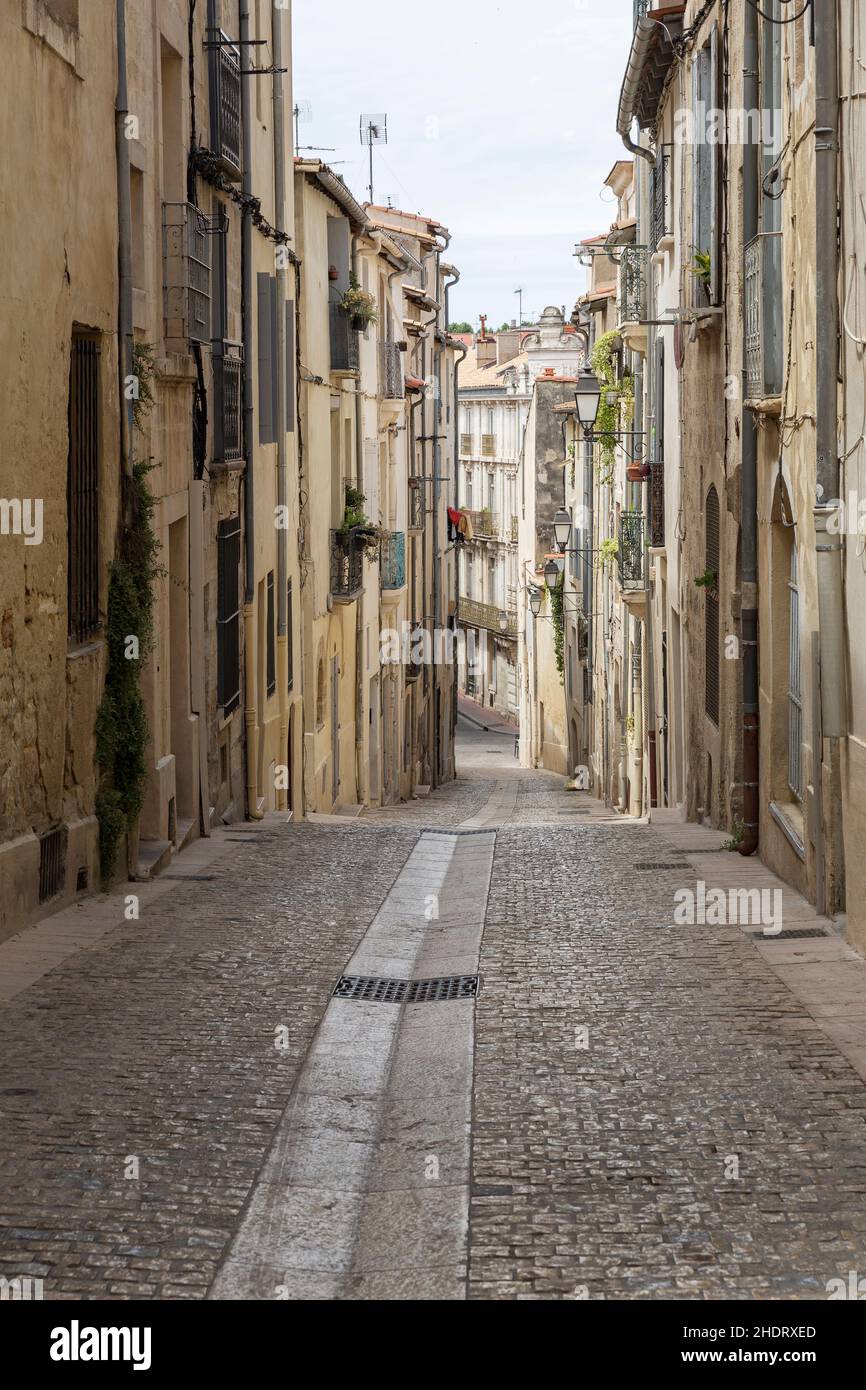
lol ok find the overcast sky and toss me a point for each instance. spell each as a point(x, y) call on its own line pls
point(500, 125)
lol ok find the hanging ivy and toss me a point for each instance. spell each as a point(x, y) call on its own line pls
point(616, 406)
point(121, 729)
point(557, 615)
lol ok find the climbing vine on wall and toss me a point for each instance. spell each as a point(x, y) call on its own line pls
point(557, 615)
point(121, 722)
point(616, 406)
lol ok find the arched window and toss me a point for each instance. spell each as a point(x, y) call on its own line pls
point(711, 606)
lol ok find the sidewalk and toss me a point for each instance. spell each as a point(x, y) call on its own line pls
point(489, 719)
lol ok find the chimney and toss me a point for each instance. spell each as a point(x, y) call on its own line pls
point(485, 346)
point(507, 345)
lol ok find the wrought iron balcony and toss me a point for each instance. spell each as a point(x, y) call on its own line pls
point(488, 446)
point(416, 504)
point(466, 442)
point(224, 63)
point(390, 372)
point(344, 340)
point(633, 283)
point(631, 551)
point(657, 503)
point(515, 522)
point(228, 376)
point(763, 315)
point(347, 566)
point(484, 523)
point(393, 561)
point(472, 613)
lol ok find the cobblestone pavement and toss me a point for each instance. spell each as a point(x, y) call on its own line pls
point(654, 1112)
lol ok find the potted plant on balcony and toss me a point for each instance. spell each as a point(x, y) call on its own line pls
point(357, 525)
point(359, 305)
point(637, 472)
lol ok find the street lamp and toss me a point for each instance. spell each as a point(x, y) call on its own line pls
point(586, 397)
point(503, 621)
point(551, 574)
point(562, 527)
point(535, 601)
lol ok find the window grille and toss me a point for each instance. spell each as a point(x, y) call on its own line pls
point(228, 614)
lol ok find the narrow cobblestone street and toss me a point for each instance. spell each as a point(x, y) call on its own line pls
point(628, 1109)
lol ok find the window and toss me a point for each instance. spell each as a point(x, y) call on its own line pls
point(795, 695)
point(706, 222)
point(469, 488)
point(82, 488)
point(228, 614)
point(271, 640)
point(711, 607)
point(491, 490)
point(266, 286)
point(290, 625)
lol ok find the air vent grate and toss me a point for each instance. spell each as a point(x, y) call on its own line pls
point(52, 862)
point(376, 991)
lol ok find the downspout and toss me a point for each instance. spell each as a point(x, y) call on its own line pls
point(250, 710)
point(463, 352)
point(124, 246)
point(834, 711)
point(359, 603)
point(282, 477)
point(749, 550)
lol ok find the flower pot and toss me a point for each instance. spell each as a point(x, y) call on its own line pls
point(637, 472)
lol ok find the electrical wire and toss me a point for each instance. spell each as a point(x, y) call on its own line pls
point(792, 18)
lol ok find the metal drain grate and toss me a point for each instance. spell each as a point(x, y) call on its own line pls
point(377, 991)
point(670, 864)
point(191, 878)
point(790, 935)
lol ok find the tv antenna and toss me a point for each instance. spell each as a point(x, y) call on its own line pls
point(520, 291)
point(374, 131)
point(303, 114)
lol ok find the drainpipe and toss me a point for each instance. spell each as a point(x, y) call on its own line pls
point(749, 551)
point(359, 602)
point(460, 355)
point(282, 479)
point(124, 240)
point(250, 711)
point(834, 711)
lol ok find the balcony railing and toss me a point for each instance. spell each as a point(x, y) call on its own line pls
point(224, 61)
point(631, 550)
point(390, 372)
point(484, 523)
point(186, 272)
point(344, 340)
point(228, 375)
point(633, 283)
point(393, 562)
point(488, 446)
point(763, 315)
point(474, 614)
point(416, 504)
point(347, 565)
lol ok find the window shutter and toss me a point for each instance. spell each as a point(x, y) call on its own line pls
point(290, 365)
point(715, 169)
point(267, 433)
